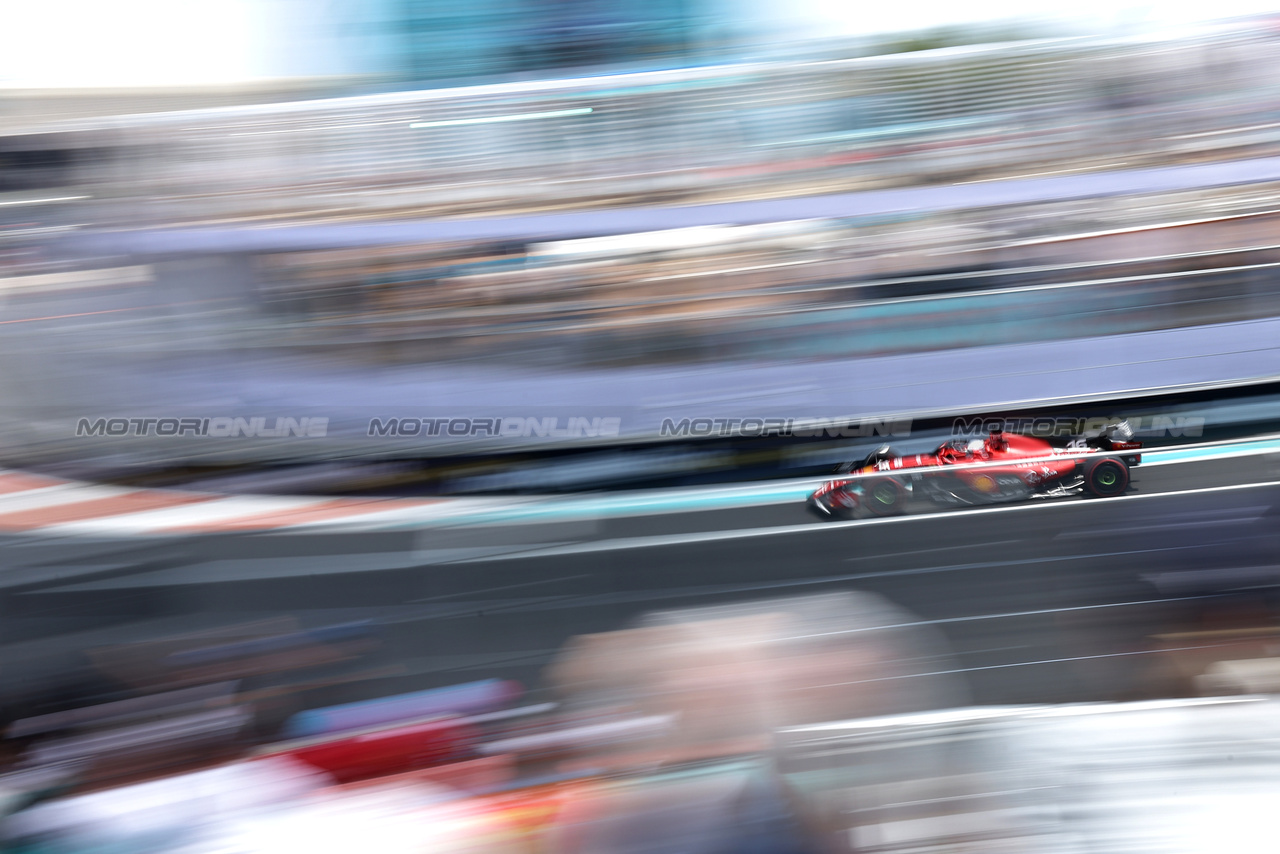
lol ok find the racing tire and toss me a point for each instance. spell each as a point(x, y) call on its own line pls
point(1106, 477)
point(885, 497)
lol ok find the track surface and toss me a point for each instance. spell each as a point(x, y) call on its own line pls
point(1046, 601)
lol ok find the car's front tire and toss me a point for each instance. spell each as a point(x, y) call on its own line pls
point(886, 497)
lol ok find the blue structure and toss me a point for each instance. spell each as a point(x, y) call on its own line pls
point(470, 698)
point(424, 42)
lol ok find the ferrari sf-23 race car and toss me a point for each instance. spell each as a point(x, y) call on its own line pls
point(964, 472)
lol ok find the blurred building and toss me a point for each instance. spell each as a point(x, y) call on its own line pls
point(414, 43)
point(443, 39)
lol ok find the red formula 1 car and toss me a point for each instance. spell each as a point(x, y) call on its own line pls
point(1003, 467)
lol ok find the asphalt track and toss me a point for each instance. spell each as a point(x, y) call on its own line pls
point(1041, 602)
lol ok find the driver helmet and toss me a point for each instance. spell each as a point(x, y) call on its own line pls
point(884, 452)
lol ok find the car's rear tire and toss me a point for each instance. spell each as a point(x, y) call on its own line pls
point(885, 496)
point(1106, 477)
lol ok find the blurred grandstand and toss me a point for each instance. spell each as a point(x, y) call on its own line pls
point(361, 233)
point(135, 243)
point(735, 131)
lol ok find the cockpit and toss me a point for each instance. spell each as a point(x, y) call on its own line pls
point(873, 460)
point(879, 455)
point(958, 450)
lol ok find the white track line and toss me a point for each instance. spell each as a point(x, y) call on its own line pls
point(58, 494)
point(186, 516)
point(811, 527)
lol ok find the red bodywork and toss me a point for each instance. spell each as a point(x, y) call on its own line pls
point(1002, 467)
point(391, 750)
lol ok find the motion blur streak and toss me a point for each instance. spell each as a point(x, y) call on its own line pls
point(65, 316)
point(427, 436)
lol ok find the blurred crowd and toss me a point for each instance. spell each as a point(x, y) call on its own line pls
point(1063, 108)
point(710, 133)
point(824, 723)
